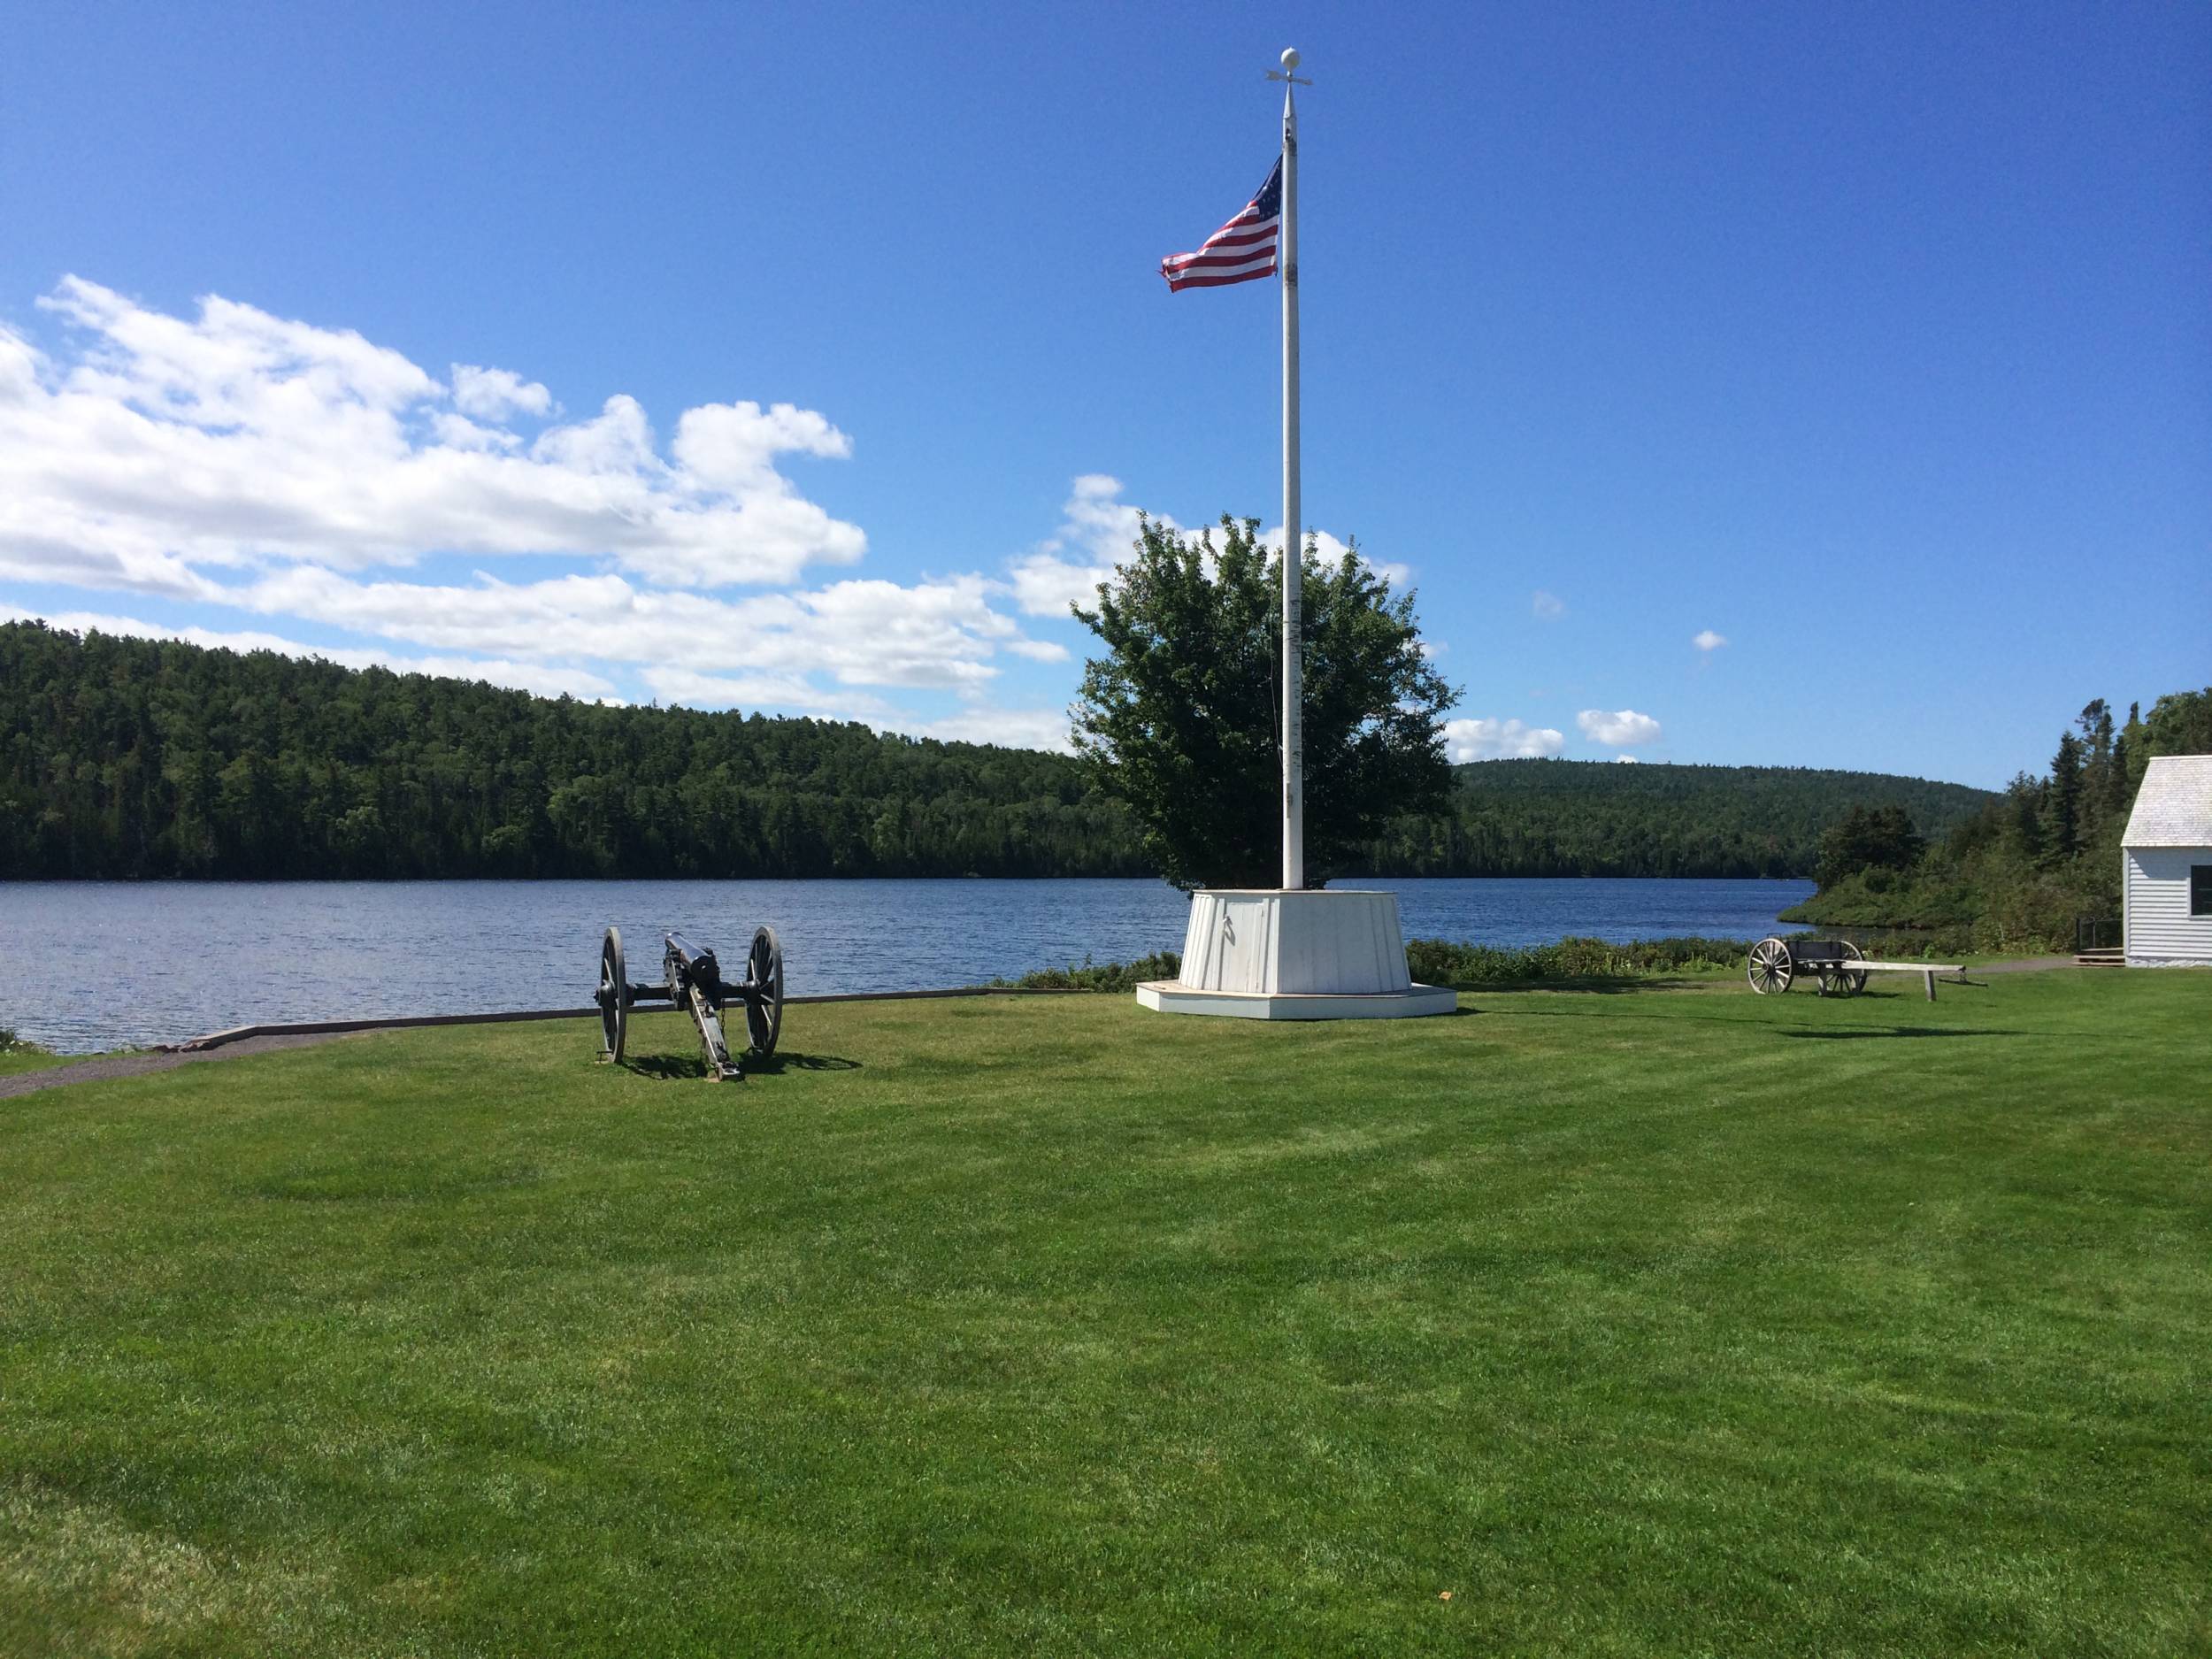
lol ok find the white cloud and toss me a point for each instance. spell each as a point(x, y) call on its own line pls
point(1547, 607)
point(495, 394)
point(1009, 728)
point(696, 690)
point(458, 432)
point(1330, 549)
point(938, 633)
point(977, 723)
point(1626, 760)
point(1620, 729)
point(289, 476)
point(546, 679)
point(1706, 640)
point(1096, 534)
point(1500, 739)
point(1097, 529)
point(168, 446)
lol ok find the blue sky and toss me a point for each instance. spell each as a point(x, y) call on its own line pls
point(1873, 343)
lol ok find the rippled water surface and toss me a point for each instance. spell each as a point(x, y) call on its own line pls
point(87, 965)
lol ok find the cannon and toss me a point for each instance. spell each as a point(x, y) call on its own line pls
point(691, 978)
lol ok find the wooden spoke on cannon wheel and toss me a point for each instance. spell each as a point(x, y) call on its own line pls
point(614, 997)
point(1769, 966)
point(763, 991)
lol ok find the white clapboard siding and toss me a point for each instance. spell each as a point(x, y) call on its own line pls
point(2170, 829)
point(2160, 929)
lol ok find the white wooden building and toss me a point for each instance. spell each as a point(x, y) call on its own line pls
point(2166, 866)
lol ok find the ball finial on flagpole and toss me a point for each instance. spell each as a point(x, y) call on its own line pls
point(1290, 57)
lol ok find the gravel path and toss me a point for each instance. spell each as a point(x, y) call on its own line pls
point(106, 1067)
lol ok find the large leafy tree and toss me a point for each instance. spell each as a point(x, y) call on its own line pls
point(1181, 717)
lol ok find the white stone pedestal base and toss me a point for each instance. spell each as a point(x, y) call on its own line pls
point(1268, 954)
point(1169, 997)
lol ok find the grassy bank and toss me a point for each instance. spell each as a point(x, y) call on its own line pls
point(19, 1056)
point(1638, 1320)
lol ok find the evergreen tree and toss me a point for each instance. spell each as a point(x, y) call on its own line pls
point(2098, 747)
point(1869, 838)
point(2023, 798)
point(2062, 801)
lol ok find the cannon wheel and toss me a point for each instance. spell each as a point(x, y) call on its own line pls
point(614, 997)
point(1854, 983)
point(1770, 968)
point(763, 991)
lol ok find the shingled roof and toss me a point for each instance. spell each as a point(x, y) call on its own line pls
point(2174, 806)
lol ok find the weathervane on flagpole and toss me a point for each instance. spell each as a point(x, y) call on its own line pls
point(1294, 532)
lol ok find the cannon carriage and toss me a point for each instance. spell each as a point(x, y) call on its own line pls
point(692, 979)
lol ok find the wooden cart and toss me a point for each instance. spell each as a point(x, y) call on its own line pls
point(1838, 965)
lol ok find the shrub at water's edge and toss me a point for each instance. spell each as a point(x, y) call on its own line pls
point(1108, 976)
point(1440, 962)
point(1891, 899)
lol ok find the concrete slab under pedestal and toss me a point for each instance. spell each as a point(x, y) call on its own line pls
point(1263, 953)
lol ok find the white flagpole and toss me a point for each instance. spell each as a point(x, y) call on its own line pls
point(1293, 530)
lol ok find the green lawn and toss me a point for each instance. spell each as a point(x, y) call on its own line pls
point(1643, 1320)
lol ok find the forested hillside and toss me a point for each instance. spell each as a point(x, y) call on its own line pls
point(136, 757)
point(1586, 817)
point(142, 758)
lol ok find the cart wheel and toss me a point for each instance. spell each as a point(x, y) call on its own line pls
point(1856, 982)
point(763, 991)
point(614, 997)
point(1770, 969)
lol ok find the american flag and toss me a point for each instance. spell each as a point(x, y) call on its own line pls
point(1240, 250)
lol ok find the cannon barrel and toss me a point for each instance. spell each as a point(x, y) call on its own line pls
point(696, 963)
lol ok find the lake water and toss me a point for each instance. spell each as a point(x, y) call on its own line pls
point(99, 965)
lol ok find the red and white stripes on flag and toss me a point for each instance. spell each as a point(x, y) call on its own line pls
point(1240, 250)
